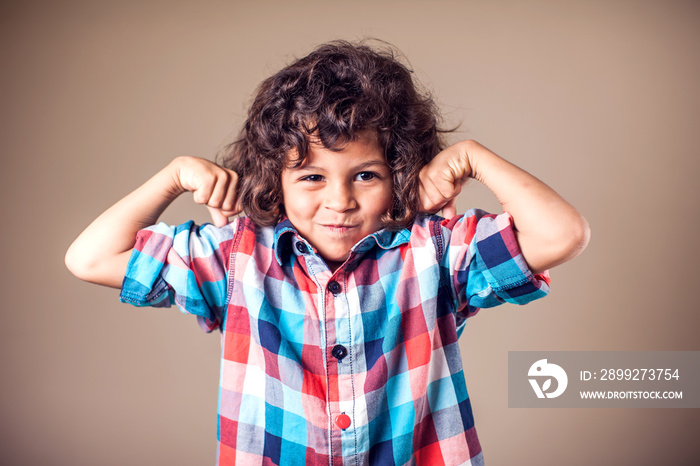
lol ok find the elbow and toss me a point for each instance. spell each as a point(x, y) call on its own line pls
point(572, 238)
point(73, 263)
point(579, 236)
point(93, 268)
point(561, 244)
point(77, 264)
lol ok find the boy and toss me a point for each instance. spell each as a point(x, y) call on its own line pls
point(339, 301)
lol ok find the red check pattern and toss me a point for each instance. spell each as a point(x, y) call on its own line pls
point(396, 393)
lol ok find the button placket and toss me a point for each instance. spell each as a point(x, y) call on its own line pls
point(342, 420)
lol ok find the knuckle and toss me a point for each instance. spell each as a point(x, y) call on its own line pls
point(198, 198)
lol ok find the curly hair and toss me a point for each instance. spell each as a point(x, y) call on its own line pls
point(329, 97)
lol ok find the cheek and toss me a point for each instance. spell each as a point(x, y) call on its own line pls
point(384, 199)
point(297, 204)
point(298, 210)
point(378, 204)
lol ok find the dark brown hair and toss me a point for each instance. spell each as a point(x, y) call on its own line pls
point(329, 97)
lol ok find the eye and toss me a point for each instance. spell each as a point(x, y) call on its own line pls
point(366, 176)
point(312, 178)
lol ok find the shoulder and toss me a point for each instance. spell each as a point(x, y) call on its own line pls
point(427, 226)
point(426, 239)
point(194, 240)
point(456, 236)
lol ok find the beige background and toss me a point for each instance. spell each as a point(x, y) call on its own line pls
point(598, 98)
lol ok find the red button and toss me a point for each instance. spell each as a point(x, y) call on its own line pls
point(343, 421)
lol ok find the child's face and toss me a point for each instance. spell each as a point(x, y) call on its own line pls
point(334, 199)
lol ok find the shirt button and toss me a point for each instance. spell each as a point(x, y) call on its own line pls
point(343, 421)
point(334, 287)
point(301, 247)
point(339, 352)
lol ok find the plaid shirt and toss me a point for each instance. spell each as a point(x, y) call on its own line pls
point(356, 366)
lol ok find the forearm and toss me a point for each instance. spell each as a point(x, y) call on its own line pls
point(101, 253)
point(549, 230)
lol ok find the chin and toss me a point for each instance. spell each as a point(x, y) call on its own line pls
point(340, 258)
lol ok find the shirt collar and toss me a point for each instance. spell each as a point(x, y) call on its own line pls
point(286, 236)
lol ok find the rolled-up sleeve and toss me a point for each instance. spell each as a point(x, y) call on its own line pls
point(485, 264)
point(186, 265)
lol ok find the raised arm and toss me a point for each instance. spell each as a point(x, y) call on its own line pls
point(549, 230)
point(101, 253)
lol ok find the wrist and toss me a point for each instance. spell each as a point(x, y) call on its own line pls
point(476, 154)
point(468, 155)
point(171, 177)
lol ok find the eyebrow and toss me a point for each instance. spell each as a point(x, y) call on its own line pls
point(361, 166)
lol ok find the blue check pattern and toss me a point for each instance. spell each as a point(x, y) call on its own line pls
point(356, 366)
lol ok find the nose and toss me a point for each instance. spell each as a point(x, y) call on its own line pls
point(340, 197)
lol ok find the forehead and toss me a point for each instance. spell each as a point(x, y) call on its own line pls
point(361, 151)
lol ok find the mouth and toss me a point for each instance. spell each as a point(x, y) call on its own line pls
point(338, 228)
